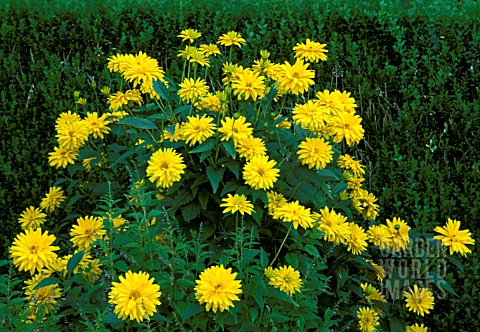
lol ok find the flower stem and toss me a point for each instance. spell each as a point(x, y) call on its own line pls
point(281, 246)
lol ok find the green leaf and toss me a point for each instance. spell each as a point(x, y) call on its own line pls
point(234, 167)
point(203, 199)
point(74, 199)
point(456, 262)
point(46, 282)
point(121, 266)
point(440, 282)
point(191, 211)
point(209, 144)
point(229, 147)
point(263, 258)
point(161, 89)
point(215, 176)
point(191, 311)
point(111, 319)
point(137, 123)
point(4, 262)
point(327, 323)
point(74, 261)
point(397, 324)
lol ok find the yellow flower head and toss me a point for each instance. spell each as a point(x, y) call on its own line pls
point(248, 84)
point(97, 126)
point(213, 103)
point(347, 162)
point(420, 301)
point(197, 130)
point(347, 104)
point(311, 116)
point(356, 240)
point(371, 293)
point(451, 236)
point(230, 72)
point(188, 52)
point(135, 297)
point(237, 203)
point(275, 200)
point(72, 135)
point(53, 199)
point(347, 126)
point(296, 213)
point(330, 101)
point(66, 118)
point(416, 328)
point(31, 218)
point(120, 99)
point(367, 319)
point(315, 153)
point(192, 90)
point(218, 288)
point(44, 296)
point(297, 78)
point(399, 232)
point(142, 69)
point(333, 224)
point(231, 38)
point(380, 236)
point(189, 34)
point(251, 147)
point(88, 230)
point(210, 49)
point(32, 251)
point(310, 51)
point(200, 58)
point(237, 129)
point(165, 167)
point(286, 278)
point(61, 157)
point(260, 173)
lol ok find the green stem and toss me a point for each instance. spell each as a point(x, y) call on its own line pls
point(281, 246)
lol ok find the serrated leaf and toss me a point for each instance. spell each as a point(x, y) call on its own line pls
point(229, 147)
point(214, 176)
point(121, 266)
point(137, 123)
point(46, 282)
point(74, 261)
point(160, 88)
point(191, 311)
point(209, 144)
point(191, 211)
point(203, 199)
point(234, 167)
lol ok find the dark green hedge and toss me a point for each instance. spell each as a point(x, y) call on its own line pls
point(413, 69)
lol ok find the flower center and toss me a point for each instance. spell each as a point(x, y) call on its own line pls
point(33, 249)
point(164, 165)
point(218, 286)
point(134, 295)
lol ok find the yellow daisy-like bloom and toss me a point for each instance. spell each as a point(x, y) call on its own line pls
point(310, 51)
point(87, 163)
point(188, 52)
point(297, 78)
point(88, 230)
point(399, 232)
point(210, 49)
point(200, 58)
point(251, 147)
point(97, 126)
point(32, 251)
point(105, 91)
point(192, 90)
point(237, 203)
point(333, 224)
point(269, 272)
point(367, 319)
point(115, 116)
point(218, 288)
point(61, 157)
point(356, 240)
point(45, 296)
point(89, 267)
point(31, 218)
point(379, 271)
point(135, 297)
point(347, 162)
point(329, 101)
point(287, 279)
point(72, 135)
point(420, 301)
point(451, 236)
point(237, 129)
point(82, 102)
point(197, 130)
point(230, 72)
point(165, 167)
point(311, 116)
point(365, 204)
point(380, 236)
point(260, 173)
point(120, 99)
point(315, 153)
point(275, 200)
point(347, 104)
point(248, 84)
point(267, 68)
point(143, 69)
point(212, 102)
point(416, 328)
point(177, 133)
point(53, 199)
point(371, 293)
point(66, 118)
point(231, 38)
point(189, 34)
point(295, 213)
point(120, 62)
point(347, 126)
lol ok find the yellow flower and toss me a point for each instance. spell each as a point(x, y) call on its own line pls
point(66, 118)
point(105, 91)
point(231, 72)
point(213, 103)
point(251, 147)
point(259, 172)
point(61, 157)
point(267, 68)
point(165, 167)
point(82, 102)
point(87, 163)
point(188, 52)
point(365, 204)
point(416, 328)
point(97, 126)
point(315, 153)
point(44, 296)
point(367, 319)
point(120, 62)
point(295, 213)
point(120, 99)
point(347, 104)
point(143, 69)
point(237, 129)
point(420, 301)
point(189, 34)
point(199, 57)
point(32, 251)
point(210, 49)
point(88, 266)
point(248, 84)
point(237, 203)
point(72, 135)
point(135, 296)
point(356, 240)
point(451, 236)
point(379, 271)
point(399, 232)
point(380, 236)
point(218, 288)
point(371, 293)
point(31, 218)
point(88, 230)
point(297, 78)
point(329, 100)
point(269, 272)
point(275, 200)
point(231, 38)
point(53, 199)
point(177, 133)
point(197, 130)
point(311, 116)
point(310, 51)
point(333, 224)
point(286, 278)
point(191, 90)
point(347, 126)
point(347, 162)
